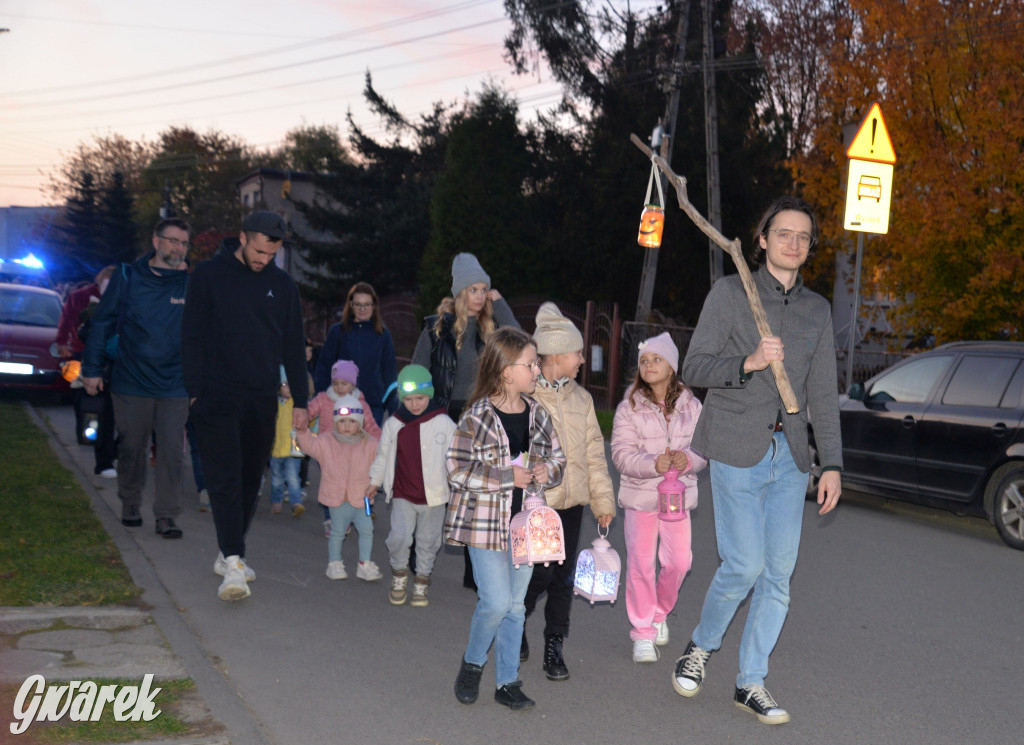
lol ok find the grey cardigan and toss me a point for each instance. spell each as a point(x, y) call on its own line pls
point(738, 419)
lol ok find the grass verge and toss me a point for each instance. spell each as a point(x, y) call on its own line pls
point(53, 549)
point(604, 418)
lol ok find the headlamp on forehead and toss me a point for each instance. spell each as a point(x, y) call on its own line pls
point(411, 386)
point(347, 411)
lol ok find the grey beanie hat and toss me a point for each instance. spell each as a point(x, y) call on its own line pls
point(466, 271)
point(555, 333)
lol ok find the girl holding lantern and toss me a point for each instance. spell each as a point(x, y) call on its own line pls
point(586, 480)
point(505, 441)
point(651, 434)
point(453, 339)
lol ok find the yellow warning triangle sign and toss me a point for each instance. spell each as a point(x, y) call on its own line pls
point(872, 139)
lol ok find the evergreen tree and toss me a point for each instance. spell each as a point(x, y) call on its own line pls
point(376, 209)
point(119, 238)
point(479, 205)
point(80, 236)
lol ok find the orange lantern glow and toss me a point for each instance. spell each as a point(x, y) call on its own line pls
point(652, 223)
point(70, 370)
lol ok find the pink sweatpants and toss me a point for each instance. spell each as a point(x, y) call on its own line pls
point(651, 596)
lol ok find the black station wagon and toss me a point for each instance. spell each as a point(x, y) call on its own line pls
point(943, 429)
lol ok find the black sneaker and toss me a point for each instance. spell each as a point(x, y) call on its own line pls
point(512, 696)
point(760, 703)
point(524, 648)
point(467, 684)
point(165, 527)
point(130, 515)
point(554, 664)
point(688, 676)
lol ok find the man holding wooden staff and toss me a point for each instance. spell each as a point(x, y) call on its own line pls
point(758, 451)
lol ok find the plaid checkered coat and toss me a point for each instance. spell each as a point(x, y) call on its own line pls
point(481, 477)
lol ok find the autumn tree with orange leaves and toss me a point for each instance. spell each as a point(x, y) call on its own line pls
point(949, 76)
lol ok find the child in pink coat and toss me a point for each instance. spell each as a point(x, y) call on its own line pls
point(344, 374)
point(651, 433)
point(345, 455)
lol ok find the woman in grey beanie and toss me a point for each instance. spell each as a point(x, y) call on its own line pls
point(453, 338)
point(450, 343)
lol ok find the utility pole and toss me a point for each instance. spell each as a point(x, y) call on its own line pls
point(668, 130)
point(715, 264)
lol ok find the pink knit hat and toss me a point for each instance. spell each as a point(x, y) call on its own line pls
point(345, 370)
point(663, 346)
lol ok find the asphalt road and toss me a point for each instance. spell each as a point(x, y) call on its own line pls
point(906, 626)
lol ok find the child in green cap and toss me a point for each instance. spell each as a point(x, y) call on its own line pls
point(410, 466)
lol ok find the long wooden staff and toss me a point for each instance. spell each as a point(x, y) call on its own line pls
point(734, 249)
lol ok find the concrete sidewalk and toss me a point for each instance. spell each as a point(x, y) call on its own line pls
point(120, 642)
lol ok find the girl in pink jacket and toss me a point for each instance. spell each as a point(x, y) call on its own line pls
point(345, 454)
point(651, 433)
point(343, 382)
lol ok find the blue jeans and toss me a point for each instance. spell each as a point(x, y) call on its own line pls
point(340, 519)
point(500, 612)
point(285, 472)
point(758, 516)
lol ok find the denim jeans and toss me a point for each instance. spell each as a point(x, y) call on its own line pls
point(340, 519)
point(285, 472)
point(500, 612)
point(758, 516)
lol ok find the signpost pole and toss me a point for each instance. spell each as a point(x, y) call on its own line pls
point(856, 310)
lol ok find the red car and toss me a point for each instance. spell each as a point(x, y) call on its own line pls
point(28, 339)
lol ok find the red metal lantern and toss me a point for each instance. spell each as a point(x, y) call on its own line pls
point(598, 570)
point(671, 506)
point(536, 532)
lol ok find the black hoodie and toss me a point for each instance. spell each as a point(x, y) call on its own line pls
point(239, 326)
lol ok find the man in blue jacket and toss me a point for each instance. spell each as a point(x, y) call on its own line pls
point(143, 307)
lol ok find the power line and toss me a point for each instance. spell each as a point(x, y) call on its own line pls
point(262, 54)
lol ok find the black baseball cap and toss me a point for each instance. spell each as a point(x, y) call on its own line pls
point(269, 223)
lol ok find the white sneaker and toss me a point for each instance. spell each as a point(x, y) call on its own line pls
point(662, 639)
point(336, 570)
point(234, 586)
point(644, 651)
point(220, 566)
point(204, 501)
point(108, 473)
point(368, 571)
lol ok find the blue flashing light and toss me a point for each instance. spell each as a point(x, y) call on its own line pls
point(31, 262)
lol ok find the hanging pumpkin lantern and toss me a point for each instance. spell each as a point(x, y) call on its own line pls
point(536, 531)
point(670, 497)
point(597, 571)
point(652, 220)
point(652, 223)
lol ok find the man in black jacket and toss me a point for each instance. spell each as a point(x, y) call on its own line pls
point(242, 321)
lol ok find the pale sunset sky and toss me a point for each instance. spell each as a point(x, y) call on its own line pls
point(74, 69)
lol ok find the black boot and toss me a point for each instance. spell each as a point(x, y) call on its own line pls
point(467, 684)
point(524, 648)
point(554, 665)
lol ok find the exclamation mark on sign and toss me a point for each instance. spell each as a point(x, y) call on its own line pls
point(874, 128)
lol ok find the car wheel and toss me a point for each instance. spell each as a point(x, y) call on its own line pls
point(1008, 508)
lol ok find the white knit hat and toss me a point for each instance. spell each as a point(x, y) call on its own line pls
point(348, 407)
point(662, 345)
point(555, 333)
